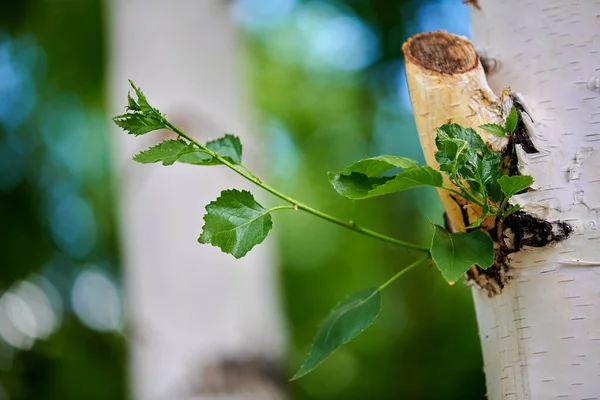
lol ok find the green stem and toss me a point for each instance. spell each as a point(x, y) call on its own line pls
point(405, 270)
point(502, 208)
point(296, 204)
point(270, 210)
point(353, 212)
point(248, 171)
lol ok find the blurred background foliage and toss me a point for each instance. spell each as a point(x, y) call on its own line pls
point(328, 88)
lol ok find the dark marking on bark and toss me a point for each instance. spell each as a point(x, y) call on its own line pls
point(447, 222)
point(528, 230)
point(463, 211)
point(248, 377)
point(511, 235)
point(521, 135)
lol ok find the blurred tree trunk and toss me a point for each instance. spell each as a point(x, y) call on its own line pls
point(203, 325)
point(540, 332)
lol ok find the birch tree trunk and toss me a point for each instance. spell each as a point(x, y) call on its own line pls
point(539, 318)
point(202, 324)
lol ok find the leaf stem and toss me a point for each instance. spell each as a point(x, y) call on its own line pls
point(296, 204)
point(270, 210)
point(502, 207)
point(353, 212)
point(402, 272)
point(248, 171)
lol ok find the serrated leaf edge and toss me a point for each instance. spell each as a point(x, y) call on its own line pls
point(158, 145)
point(267, 212)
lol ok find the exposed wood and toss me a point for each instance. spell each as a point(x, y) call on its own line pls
point(447, 85)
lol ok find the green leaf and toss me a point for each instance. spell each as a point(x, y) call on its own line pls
point(511, 120)
point(132, 105)
point(512, 185)
point(455, 253)
point(365, 178)
point(376, 166)
point(463, 155)
point(138, 124)
point(359, 186)
point(235, 223)
point(459, 150)
point(494, 129)
point(228, 147)
point(490, 173)
point(166, 151)
point(140, 118)
point(455, 131)
point(349, 318)
point(143, 105)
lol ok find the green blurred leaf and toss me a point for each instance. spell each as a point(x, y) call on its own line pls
point(494, 129)
point(235, 223)
point(228, 147)
point(455, 253)
point(166, 151)
point(511, 120)
point(364, 178)
point(138, 124)
point(349, 318)
point(512, 185)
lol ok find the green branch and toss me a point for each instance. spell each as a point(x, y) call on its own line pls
point(300, 206)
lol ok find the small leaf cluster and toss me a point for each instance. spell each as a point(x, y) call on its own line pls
point(475, 170)
point(235, 222)
point(140, 117)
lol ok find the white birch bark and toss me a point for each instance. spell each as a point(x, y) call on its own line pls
point(202, 324)
point(541, 336)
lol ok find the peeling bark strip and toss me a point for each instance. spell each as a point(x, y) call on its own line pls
point(541, 335)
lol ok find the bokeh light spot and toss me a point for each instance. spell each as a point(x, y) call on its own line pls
point(97, 301)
